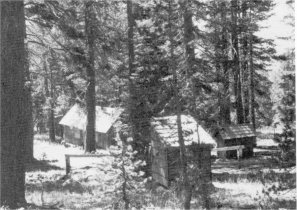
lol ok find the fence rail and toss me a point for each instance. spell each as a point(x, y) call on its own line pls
point(238, 148)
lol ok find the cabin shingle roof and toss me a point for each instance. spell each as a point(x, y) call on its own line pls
point(166, 128)
point(105, 118)
point(237, 131)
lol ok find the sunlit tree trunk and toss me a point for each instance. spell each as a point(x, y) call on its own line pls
point(13, 104)
point(48, 86)
point(236, 66)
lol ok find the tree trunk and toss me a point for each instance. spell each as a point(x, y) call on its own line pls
point(131, 55)
point(52, 130)
point(245, 70)
point(49, 96)
point(190, 58)
point(236, 66)
point(251, 77)
point(13, 104)
point(30, 126)
point(90, 142)
point(225, 103)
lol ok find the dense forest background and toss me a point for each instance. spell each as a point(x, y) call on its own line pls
point(209, 54)
point(153, 58)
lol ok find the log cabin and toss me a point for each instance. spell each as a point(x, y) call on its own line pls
point(74, 125)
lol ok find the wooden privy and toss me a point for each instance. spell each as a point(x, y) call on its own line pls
point(165, 149)
point(235, 135)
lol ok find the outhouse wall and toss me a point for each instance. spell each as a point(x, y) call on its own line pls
point(159, 161)
point(73, 135)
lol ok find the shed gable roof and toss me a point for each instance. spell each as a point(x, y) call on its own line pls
point(237, 131)
point(166, 128)
point(105, 118)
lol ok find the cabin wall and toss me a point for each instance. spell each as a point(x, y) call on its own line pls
point(159, 161)
point(199, 156)
point(102, 140)
point(173, 158)
point(78, 137)
point(202, 156)
point(105, 140)
point(72, 136)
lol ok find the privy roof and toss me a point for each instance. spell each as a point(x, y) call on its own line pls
point(166, 128)
point(237, 131)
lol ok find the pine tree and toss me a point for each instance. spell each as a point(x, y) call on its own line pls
point(288, 101)
point(260, 52)
point(129, 185)
point(287, 110)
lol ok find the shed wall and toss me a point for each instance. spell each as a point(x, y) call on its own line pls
point(159, 161)
point(200, 156)
point(77, 137)
point(73, 136)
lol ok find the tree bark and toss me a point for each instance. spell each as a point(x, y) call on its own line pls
point(236, 66)
point(225, 103)
point(190, 58)
point(49, 96)
point(245, 70)
point(30, 125)
point(90, 143)
point(251, 76)
point(13, 102)
point(131, 57)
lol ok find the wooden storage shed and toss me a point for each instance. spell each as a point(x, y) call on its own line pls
point(74, 125)
point(165, 148)
point(234, 135)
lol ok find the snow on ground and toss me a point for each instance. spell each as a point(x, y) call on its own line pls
point(55, 154)
point(266, 143)
point(91, 178)
point(245, 187)
point(86, 186)
point(270, 130)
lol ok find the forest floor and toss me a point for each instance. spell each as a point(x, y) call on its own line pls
point(92, 180)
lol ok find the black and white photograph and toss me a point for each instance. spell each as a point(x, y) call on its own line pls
point(147, 104)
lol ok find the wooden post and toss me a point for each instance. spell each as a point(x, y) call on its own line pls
point(67, 159)
point(239, 155)
point(224, 155)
